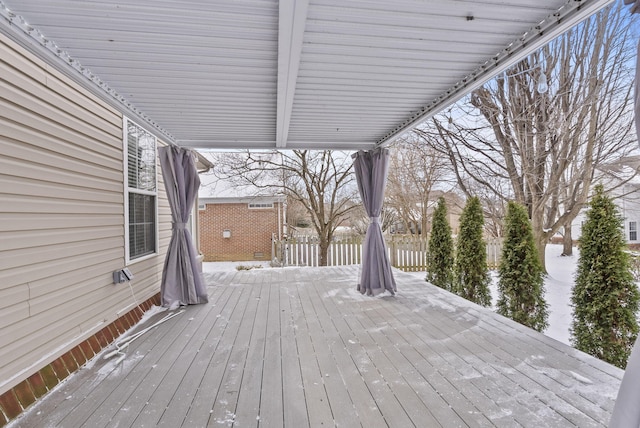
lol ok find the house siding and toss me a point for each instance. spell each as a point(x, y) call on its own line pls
point(61, 217)
point(251, 231)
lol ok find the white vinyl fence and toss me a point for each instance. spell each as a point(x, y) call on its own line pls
point(406, 252)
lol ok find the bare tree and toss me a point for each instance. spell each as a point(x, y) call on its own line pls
point(360, 220)
point(542, 148)
point(321, 181)
point(415, 169)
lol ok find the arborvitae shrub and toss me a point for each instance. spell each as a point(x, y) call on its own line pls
point(440, 253)
point(605, 296)
point(471, 272)
point(521, 275)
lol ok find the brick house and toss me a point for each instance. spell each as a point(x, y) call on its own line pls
point(240, 228)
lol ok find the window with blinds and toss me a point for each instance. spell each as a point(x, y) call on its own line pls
point(141, 193)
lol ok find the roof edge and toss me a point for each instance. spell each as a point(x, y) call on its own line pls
point(569, 15)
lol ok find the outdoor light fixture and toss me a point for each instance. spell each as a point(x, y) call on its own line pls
point(542, 86)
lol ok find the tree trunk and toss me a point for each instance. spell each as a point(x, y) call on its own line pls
point(567, 241)
point(539, 235)
point(541, 245)
point(323, 257)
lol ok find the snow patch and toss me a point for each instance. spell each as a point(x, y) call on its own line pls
point(230, 418)
point(581, 378)
point(558, 286)
point(333, 293)
point(151, 312)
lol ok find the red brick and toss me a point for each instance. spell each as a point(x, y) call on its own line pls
point(49, 377)
point(24, 394)
point(37, 384)
point(3, 419)
point(133, 315)
point(128, 320)
point(87, 351)
point(10, 405)
point(117, 330)
point(113, 331)
point(69, 362)
point(78, 356)
point(108, 335)
point(131, 320)
point(140, 310)
point(94, 343)
point(119, 326)
point(60, 369)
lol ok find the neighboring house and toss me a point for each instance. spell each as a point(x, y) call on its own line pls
point(623, 180)
point(240, 228)
point(627, 199)
point(630, 210)
point(81, 196)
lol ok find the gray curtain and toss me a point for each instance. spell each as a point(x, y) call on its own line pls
point(371, 169)
point(182, 282)
point(626, 412)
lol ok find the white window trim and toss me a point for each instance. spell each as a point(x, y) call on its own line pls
point(261, 205)
point(127, 189)
point(634, 230)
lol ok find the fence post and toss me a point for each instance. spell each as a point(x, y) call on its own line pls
point(393, 256)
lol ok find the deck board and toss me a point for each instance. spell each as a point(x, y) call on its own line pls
point(185, 392)
point(300, 347)
point(293, 397)
point(271, 406)
point(206, 394)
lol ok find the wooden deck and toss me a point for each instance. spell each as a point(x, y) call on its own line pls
point(300, 347)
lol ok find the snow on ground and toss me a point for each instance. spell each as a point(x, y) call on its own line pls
point(558, 284)
point(231, 266)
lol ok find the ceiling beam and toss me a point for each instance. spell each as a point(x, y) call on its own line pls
point(291, 25)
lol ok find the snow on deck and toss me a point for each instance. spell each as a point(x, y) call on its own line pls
point(300, 347)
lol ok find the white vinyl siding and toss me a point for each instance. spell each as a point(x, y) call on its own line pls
point(140, 190)
point(62, 227)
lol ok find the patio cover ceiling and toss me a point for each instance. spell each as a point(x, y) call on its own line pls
point(262, 74)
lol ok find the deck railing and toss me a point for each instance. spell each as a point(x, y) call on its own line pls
point(406, 252)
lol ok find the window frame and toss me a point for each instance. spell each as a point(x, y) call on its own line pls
point(129, 190)
point(260, 205)
point(633, 230)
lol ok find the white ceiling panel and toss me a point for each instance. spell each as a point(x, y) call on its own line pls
point(291, 74)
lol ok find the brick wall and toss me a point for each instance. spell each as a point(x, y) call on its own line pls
point(251, 231)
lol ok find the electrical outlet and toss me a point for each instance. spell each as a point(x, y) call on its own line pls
point(122, 275)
